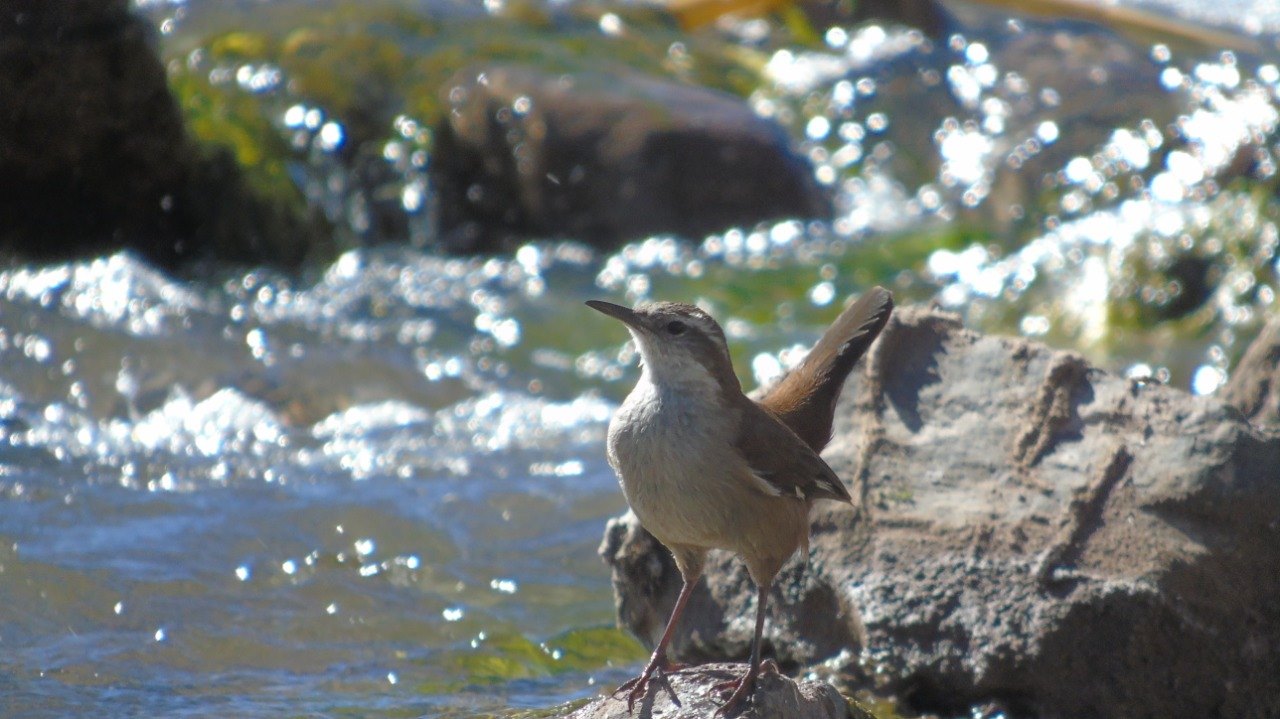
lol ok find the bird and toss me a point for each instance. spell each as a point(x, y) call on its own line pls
point(703, 466)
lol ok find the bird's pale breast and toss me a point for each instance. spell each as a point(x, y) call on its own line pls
point(684, 479)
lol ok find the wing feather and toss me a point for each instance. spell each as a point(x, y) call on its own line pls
point(784, 461)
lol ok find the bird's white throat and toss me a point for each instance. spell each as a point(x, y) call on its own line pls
point(674, 368)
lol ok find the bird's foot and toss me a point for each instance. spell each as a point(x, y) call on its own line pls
point(656, 671)
point(740, 692)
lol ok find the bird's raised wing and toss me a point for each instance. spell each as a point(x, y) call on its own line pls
point(805, 398)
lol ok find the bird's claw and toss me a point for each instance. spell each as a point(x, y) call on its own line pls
point(742, 690)
point(638, 688)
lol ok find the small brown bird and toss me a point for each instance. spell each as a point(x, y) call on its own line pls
point(705, 467)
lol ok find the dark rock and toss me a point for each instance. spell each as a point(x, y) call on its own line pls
point(1254, 387)
point(95, 157)
point(776, 697)
point(606, 158)
point(1033, 533)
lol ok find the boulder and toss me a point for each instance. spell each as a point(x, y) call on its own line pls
point(1032, 533)
point(691, 695)
point(1254, 387)
point(606, 157)
point(94, 155)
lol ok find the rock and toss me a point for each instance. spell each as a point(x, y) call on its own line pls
point(95, 156)
point(1254, 387)
point(606, 158)
point(776, 697)
point(1033, 534)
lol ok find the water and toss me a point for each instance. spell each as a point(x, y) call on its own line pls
point(379, 491)
point(223, 500)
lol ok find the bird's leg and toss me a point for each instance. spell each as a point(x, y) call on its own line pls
point(745, 687)
point(658, 664)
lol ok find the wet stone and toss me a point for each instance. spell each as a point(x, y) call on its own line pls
point(606, 158)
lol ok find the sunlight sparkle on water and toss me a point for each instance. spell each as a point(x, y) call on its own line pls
point(964, 153)
point(227, 421)
point(1131, 148)
point(1080, 171)
point(118, 291)
point(1125, 201)
point(1034, 325)
point(260, 78)
point(766, 368)
point(818, 128)
point(1140, 371)
point(504, 586)
point(413, 196)
point(1207, 379)
point(570, 468)
point(822, 294)
point(1047, 132)
point(798, 72)
point(356, 440)
point(611, 24)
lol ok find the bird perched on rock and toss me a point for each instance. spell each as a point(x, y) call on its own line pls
point(705, 467)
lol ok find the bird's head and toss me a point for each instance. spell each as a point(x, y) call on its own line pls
point(679, 344)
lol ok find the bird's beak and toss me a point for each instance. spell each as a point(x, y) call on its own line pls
point(626, 315)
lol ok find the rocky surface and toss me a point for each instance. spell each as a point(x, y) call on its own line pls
point(606, 158)
point(1034, 534)
point(1255, 383)
point(776, 697)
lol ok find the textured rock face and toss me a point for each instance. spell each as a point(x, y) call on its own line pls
point(1032, 532)
point(1255, 384)
point(777, 697)
point(606, 158)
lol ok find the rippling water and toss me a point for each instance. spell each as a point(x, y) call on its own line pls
point(379, 491)
point(248, 499)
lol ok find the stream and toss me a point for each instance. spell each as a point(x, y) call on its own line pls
point(378, 489)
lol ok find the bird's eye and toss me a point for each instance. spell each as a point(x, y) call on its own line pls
point(675, 327)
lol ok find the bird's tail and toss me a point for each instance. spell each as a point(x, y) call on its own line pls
point(805, 398)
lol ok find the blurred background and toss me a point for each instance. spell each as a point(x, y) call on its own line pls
point(300, 410)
